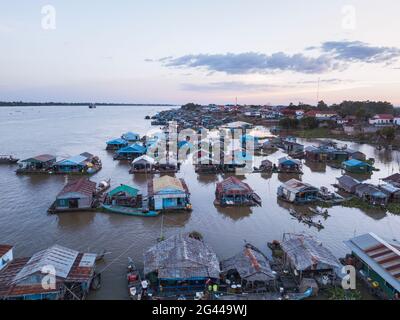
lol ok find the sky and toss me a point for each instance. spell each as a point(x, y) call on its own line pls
point(176, 51)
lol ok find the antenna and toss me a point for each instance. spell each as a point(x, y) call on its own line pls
point(319, 81)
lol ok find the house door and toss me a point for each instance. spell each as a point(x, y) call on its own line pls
point(73, 203)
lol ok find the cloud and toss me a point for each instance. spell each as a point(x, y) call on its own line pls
point(331, 55)
point(229, 86)
point(252, 62)
point(357, 51)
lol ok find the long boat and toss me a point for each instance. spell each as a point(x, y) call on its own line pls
point(139, 212)
point(8, 159)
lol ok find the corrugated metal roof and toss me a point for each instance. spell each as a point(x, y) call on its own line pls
point(76, 160)
point(167, 182)
point(133, 192)
point(233, 185)
point(83, 186)
point(182, 257)
point(295, 186)
point(41, 158)
point(4, 248)
point(381, 256)
point(305, 252)
point(61, 258)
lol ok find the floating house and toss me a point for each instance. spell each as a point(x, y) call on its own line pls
point(130, 152)
point(22, 278)
point(39, 164)
point(250, 269)
point(85, 163)
point(143, 164)
point(6, 255)
point(325, 153)
point(394, 180)
point(168, 193)
point(298, 192)
point(293, 148)
point(131, 137)
point(391, 191)
point(124, 196)
point(357, 166)
point(116, 144)
point(347, 183)
point(233, 192)
point(378, 263)
point(306, 256)
point(289, 165)
point(356, 155)
point(168, 165)
point(77, 195)
point(371, 194)
point(266, 166)
point(181, 264)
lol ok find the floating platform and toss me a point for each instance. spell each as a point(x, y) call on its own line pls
point(139, 212)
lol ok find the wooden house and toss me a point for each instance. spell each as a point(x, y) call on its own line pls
point(357, 166)
point(130, 152)
point(124, 196)
point(143, 164)
point(298, 192)
point(347, 183)
point(116, 144)
point(371, 194)
point(131, 137)
point(233, 192)
point(168, 193)
point(77, 195)
point(84, 163)
point(41, 163)
point(289, 165)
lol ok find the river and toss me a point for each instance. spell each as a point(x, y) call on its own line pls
point(70, 130)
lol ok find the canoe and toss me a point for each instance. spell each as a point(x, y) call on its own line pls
point(130, 211)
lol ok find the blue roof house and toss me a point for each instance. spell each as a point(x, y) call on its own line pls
point(131, 137)
point(357, 166)
point(131, 152)
point(117, 144)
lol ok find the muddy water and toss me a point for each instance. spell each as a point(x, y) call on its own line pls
point(67, 131)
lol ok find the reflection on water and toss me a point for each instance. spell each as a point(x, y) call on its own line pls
point(24, 221)
point(316, 166)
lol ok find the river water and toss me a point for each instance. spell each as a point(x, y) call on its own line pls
point(70, 130)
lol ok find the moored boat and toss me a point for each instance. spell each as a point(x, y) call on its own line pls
point(8, 159)
point(129, 211)
point(134, 281)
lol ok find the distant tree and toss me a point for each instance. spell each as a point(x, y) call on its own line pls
point(309, 123)
point(389, 133)
point(322, 105)
point(288, 123)
point(191, 106)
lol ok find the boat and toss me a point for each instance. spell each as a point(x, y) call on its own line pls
point(100, 256)
point(311, 223)
point(139, 212)
point(299, 296)
point(92, 106)
point(134, 281)
point(295, 214)
point(103, 186)
point(7, 159)
point(319, 211)
point(96, 282)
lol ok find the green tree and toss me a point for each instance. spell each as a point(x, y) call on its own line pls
point(309, 123)
point(288, 123)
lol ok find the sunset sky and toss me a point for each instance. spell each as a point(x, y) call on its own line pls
point(205, 51)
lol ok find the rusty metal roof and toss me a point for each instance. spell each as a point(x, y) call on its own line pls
point(83, 186)
point(4, 248)
point(233, 185)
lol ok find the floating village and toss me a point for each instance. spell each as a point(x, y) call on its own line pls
point(185, 266)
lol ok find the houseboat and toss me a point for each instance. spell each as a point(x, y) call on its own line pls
point(130, 152)
point(233, 192)
point(249, 271)
point(180, 266)
point(127, 200)
point(293, 149)
point(391, 191)
point(325, 154)
point(306, 257)
point(84, 163)
point(394, 180)
point(167, 193)
point(131, 137)
point(38, 164)
point(266, 167)
point(143, 164)
point(289, 165)
point(298, 192)
point(77, 195)
point(116, 144)
point(75, 275)
point(347, 184)
point(371, 194)
point(357, 166)
point(355, 154)
point(377, 263)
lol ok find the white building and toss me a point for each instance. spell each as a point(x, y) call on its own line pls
point(6, 255)
point(396, 121)
point(381, 120)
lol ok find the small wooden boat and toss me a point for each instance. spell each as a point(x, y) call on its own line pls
point(96, 282)
point(320, 211)
point(7, 159)
point(139, 212)
point(134, 281)
point(101, 256)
